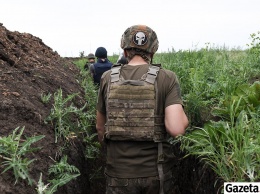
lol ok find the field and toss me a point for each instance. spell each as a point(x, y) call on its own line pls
point(221, 91)
point(47, 117)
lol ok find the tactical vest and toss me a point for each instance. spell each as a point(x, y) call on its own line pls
point(99, 69)
point(132, 106)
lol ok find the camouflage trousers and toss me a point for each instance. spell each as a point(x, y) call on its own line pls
point(148, 185)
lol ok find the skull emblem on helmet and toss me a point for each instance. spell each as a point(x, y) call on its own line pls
point(140, 38)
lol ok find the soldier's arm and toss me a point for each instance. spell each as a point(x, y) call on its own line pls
point(100, 125)
point(176, 120)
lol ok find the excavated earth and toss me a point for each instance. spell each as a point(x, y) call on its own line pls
point(30, 69)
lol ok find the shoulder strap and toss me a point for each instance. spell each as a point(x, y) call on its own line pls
point(152, 73)
point(115, 72)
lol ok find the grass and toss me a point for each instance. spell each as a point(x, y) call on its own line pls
point(221, 92)
point(208, 76)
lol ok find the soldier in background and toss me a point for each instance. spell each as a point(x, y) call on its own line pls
point(139, 107)
point(102, 65)
point(91, 60)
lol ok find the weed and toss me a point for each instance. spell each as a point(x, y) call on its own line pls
point(62, 173)
point(231, 147)
point(13, 152)
point(71, 121)
point(46, 98)
point(255, 43)
point(61, 115)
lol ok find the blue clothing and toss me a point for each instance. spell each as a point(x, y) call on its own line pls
point(99, 68)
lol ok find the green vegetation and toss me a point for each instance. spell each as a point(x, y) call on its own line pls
point(61, 172)
point(62, 116)
point(72, 122)
point(13, 150)
point(231, 146)
point(255, 43)
point(46, 98)
point(221, 92)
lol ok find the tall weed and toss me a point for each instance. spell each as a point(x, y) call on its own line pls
point(222, 106)
point(13, 150)
point(61, 173)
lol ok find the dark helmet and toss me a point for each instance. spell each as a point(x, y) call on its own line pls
point(141, 37)
point(91, 56)
point(101, 52)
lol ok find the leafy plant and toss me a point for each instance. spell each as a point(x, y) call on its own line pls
point(62, 173)
point(255, 43)
point(62, 115)
point(87, 120)
point(41, 188)
point(93, 146)
point(46, 98)
point(62, 169)
point(13, 150)
point(71, 121)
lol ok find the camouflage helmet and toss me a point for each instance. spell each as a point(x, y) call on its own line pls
point(141, 37)
point(91, 56)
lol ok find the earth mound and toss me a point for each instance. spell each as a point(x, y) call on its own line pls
point(28, 70)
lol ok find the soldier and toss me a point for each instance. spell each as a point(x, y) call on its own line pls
point(91, 60)
point(139, 107)
point(102, 65)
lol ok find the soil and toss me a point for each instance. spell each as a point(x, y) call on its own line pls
point(30, 69)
